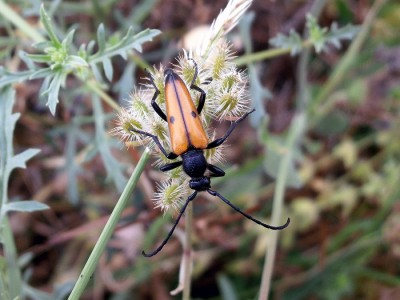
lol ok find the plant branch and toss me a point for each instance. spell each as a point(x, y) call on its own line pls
point(295, 130)
point(267, 54)
point(98, 249)
point(8, 13)
point(94, 87)
point(187, 252)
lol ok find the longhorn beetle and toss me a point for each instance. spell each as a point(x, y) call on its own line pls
point(189, 140)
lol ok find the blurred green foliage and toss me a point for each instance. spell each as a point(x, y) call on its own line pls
point(341, 191)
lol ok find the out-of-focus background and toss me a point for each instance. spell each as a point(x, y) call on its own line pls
point(342, 186)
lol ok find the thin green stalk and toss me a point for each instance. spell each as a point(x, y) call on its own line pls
point(187, 252)
point(303, 90)
point(9, 14)
point(267, 54)
point(98, 249)
point(94, 87)
point(10, 252)
point(295, 130)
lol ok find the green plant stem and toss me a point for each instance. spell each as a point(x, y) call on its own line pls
point(8, 13)
point(271, 53)
point(295, 131)
point(339, 73)
point(187, 252)
point(98, 249)
point(10, 253)
point(94, 87)
point(24, 26)
point(303, 90)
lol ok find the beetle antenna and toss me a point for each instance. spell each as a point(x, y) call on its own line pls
point(196, 71)
point(190, 198)
point(214, 193)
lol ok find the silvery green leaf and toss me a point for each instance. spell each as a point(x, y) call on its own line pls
point(7, 77)
point(76, 61)
point(53, 91)
point(68, 39)
point(42, 46)
point(119, 47)
point(108, 68)
point(337, 34)
point(97, 73)
point(90, 47)
point(19, 160)
point(8, 162)
point(46, 21)
point(25, 206)
point(101, 38)
point(45, 72)
point(40, 58)
point(44, 87)
point(292, 41)
point(128, 42)
point(226, 287)
point(7, 122)
point(27, 60)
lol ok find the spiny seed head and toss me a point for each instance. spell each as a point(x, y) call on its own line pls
point(221, 60)
point(139, 103)
point(171, 194)
point(229, 97)
point(159, 128)
point(125, 123)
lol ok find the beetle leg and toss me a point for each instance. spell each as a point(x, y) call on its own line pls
point(170, 155)
point(214, 193)
point(171, 166)
point(153, 100)
point(216, 172)
point(190, 198)
point(202, 98)
point(219, 141)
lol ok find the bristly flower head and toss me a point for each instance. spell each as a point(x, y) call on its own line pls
point(226, 99)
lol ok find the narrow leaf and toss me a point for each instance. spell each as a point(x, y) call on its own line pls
point(25, 206)
point(127, 43)
point(7, 77)
point(68, 39)
point(226, 288)
point(101, 38)
point(45, 72)
point(53, 92)
point(19, 160)
point(108, 68)
point(46, 21)
point(76, 61)
point(40, 58)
